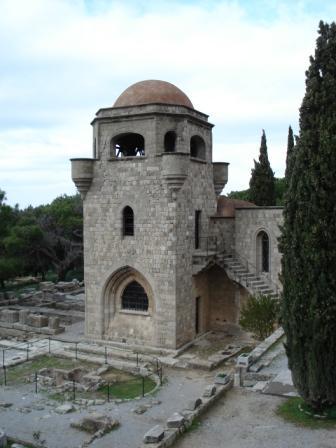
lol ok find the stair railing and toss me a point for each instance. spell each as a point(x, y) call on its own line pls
point(251, 268)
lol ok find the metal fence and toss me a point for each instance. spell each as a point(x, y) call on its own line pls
point(52, 346)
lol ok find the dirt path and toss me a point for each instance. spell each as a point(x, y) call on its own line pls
point(247, 419)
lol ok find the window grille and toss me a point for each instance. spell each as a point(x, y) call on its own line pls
point(134, 298)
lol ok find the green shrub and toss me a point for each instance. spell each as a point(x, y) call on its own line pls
point(259, 315)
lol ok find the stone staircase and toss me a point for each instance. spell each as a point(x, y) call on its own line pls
point(235, 270)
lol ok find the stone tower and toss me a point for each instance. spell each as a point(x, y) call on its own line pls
point(148, 193)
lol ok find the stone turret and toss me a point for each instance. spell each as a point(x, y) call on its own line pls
point(148, 191)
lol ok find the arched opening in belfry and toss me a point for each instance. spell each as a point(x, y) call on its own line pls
point(134, 297)
point(263, 250)
point(197, 147)
point(128, 221)
point(128, 145)
point(170, 141)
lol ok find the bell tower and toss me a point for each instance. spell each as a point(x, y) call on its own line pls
point(148, 193)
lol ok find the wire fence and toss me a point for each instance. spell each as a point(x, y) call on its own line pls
point(16, 356)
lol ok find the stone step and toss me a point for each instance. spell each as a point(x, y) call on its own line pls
point(256, 283)
point(265, 289)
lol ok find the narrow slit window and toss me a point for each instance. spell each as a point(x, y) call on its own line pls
point(128, 221)
point(263, 249)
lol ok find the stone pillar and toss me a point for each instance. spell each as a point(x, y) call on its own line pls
point(54, 323)
point(23, 317)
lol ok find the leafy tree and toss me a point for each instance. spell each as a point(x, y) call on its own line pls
point(62, 226)
point(34, 240)
point(8, 217)
point(9, 268)
point(262, 189)
point(259, 315)
point(308, 238)
point(244, 195)
point(280, 190)
point(27, 243)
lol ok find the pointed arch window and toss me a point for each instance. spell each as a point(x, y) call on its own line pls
point(128, 221)
point(263, 251)
point(134, 297)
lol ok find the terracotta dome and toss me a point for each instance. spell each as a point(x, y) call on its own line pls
point(152, 91)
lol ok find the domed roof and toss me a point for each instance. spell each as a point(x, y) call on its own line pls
point(152, 91)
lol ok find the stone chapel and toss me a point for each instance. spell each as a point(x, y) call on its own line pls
point(166, 257)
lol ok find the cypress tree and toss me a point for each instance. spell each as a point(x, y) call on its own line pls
point(308, 239)
point(290, 151)
point(262, 184)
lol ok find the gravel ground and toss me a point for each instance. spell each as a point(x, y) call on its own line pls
point(182, 386)
point(244, 418)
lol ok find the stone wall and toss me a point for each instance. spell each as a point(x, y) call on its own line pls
point(223, 229)
point(221, 299)
point(248, 223)
point(160, 252)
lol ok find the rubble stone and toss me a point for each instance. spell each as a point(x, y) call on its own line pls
point(154, 435)
point(9, 316)
point(38, 320)
point(175, 421)
point(96, 422)
point(194, 404)
point(209, 391)
point(65, 408)
point(23, 317)
point(54, 323)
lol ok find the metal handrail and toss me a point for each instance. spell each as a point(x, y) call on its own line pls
point(209, 244)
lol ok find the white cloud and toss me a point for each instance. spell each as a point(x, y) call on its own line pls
point(61, 62)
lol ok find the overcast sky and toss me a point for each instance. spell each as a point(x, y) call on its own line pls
point(242, 62)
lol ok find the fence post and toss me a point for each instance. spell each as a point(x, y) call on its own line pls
point(143, 386)
point(161, 375)
point(76, 343)
point(27, 351)
point(3, 358)
point(36, 382)
point(5, 375)
point(49, 346)
point(105, 354)
point(74, 390)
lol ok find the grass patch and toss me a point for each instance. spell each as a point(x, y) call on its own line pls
point(290, 411)
point(196, 424)
point(129, 389)
point(19, 372)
